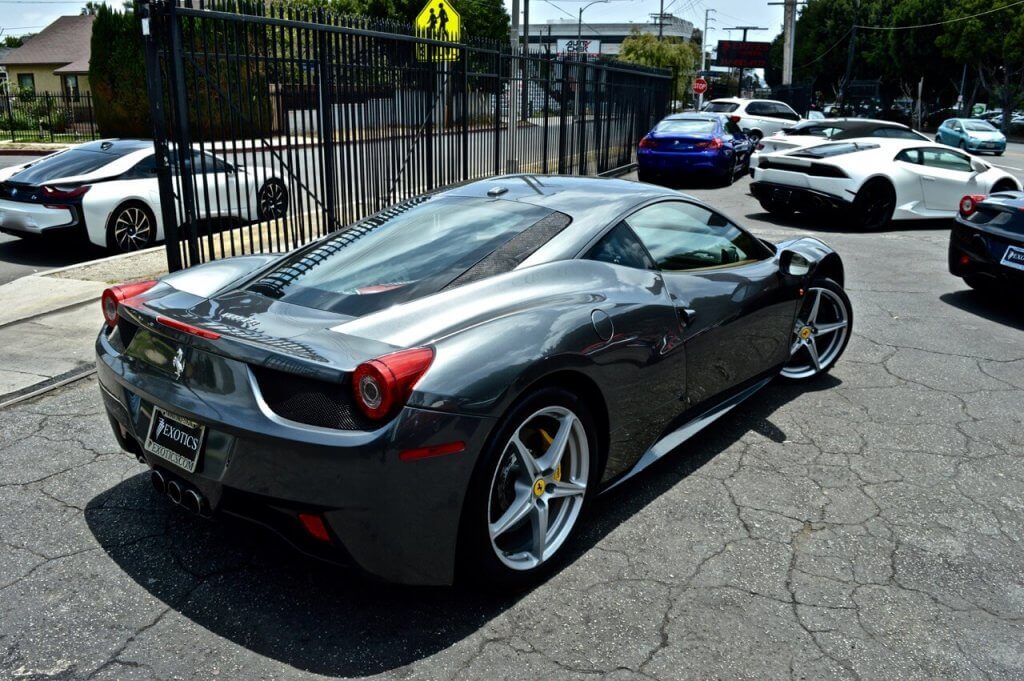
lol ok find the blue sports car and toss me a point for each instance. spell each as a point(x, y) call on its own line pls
point(971, 134)
point(700, 144)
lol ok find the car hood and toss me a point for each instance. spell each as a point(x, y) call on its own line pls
point(985, 134)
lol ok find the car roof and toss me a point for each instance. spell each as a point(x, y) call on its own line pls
point(695, 116)
point(116, 146)
point(852, 122)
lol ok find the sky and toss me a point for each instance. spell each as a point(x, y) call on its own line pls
point(29, 16)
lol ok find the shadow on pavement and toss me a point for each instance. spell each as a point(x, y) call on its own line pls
point(48, 252)
point(996, 307)
point(241, 584)
point(833, 222)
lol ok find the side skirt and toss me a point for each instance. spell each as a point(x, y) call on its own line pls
point(688, 430)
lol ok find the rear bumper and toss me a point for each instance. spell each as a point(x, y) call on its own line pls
point(977, 145)
point(973, 253)
point(33, 219)
point(797, 198)
point(397, 520)
point(681, 163)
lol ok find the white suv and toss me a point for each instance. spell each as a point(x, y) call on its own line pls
point(757, 117)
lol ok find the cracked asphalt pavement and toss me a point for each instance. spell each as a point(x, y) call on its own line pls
point(869, 525)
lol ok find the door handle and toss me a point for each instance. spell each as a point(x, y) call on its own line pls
point(927, 178)
point(686, 315)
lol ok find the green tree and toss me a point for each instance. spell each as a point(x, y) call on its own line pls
point(682, 57)
point(993, 44)
point(117, 75)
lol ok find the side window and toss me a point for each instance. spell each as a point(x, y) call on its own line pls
point(620, 246)
point(783, 111)
point(758, 109)
point(909, 156)
point(683, 236)
point(947, 160)
point(145, 168)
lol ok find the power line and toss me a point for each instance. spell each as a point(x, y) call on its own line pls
point(941, 23)
point(834, 46)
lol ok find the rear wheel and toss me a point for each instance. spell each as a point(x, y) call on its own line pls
point(131, 227)
point(821, 332)
point(644, 175)
point(532, 483)
point(1003, 186)
point(980, 284)
point(874, 205)
point(755, 136)
point(272, 199)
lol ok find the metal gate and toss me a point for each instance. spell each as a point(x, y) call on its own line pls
point(275, 125)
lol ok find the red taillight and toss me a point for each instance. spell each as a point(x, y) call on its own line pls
point(64, 193)
point(714, 143)
point(315, 527)
point(384, 384)
point(187, 328)
point(433, 450)
point(965, 259)
point(115, 295)
point(734, 119)
point(969, 204)
point(760, 147)
point(648, 143)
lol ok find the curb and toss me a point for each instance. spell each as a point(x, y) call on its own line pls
point(43, 387)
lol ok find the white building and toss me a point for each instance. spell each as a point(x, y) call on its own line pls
point(559, 35)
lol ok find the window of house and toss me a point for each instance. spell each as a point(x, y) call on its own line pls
point(27, 81)
point(71, 87)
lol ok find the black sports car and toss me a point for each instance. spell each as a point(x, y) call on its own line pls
point(986, 245)
point(444, 386)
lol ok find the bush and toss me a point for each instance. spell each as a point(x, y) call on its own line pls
point(117, 75)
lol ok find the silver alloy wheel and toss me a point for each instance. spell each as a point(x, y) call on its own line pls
point(132, 229)
point(819, 334)
point(273, 201)
point(538, 488)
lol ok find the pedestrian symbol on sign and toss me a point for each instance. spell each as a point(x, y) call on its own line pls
point(438, 20)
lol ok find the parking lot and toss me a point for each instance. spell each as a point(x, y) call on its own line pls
point(868, 527)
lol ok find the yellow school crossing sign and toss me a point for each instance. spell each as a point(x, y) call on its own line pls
point(438, 20)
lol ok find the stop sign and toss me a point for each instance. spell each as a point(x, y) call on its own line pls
point(700, 86)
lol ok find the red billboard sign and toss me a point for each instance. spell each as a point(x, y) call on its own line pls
point(742, 55)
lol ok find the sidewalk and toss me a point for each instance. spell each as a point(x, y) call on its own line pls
point(49, 321)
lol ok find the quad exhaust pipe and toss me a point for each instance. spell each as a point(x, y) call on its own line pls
point(191, 500)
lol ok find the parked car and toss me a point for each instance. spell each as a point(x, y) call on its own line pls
point(693, 144)
point(756, 117)
point(874, 181)
point(986, 245)
point(440, 390)
point(971, 134)
point(107, 191)
point(810, 133)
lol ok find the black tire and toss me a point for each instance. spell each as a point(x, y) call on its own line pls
point(999, 153)
point(644, 175)
point(272, 200)
point(730, 175)
point(478, 562)
point(962, 145)
point(980, 284)
point(775, 208)
point(1003, 187)
point(873, 206)
point(131, 227)
point(833, 354)
point(754, 136)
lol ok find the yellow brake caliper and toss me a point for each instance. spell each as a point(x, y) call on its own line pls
point(548, 439)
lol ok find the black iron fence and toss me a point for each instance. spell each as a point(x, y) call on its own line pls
point(47, 117)
point(300, 122)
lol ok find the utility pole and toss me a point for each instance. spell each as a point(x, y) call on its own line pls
point(739, 86)
point(849, 59)
point(788, 37)
point(661, 18)
point(703, 54)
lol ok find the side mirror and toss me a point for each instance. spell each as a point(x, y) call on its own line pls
point(979, 165)
point(793, 264)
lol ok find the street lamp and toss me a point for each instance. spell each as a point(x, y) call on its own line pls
point(579, 24)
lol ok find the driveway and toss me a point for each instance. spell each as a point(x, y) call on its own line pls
point(869, 525)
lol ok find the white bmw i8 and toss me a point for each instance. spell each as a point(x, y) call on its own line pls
point(107, 190)
point(872, 181)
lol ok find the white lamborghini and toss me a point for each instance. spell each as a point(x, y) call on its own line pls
point(874, 180)
point(107, 190)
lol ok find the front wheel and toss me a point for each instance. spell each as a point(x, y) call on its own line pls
point(272, 200)
point(821, 332)
point(528, 492)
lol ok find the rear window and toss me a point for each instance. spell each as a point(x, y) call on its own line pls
point(68, 164)
point(721, 107)
point(835, 149)
point(405, 252)
point(689, 126)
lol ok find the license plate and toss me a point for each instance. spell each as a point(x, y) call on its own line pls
point(175, 439)
point(1014, 257)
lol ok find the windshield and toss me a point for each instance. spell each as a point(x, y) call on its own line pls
point(721, 107)
point(690, 126)
point(979, 126)
point(405, 252)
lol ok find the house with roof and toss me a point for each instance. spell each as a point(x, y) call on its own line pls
point(55, 60)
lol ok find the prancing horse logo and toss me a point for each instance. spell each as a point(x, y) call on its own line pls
point(178, 363)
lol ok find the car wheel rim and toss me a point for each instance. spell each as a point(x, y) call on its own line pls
point(876, 211)
point(272, 200)
point(132, 229)
point(538, 488)
point(819, 334)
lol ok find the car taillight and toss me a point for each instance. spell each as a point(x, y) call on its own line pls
point(969, 204)
point(714, 143)
point(64, 193)
point(383, 385)
point(759, 147)
point(115, 295)
point(648, 143)
point(734, 119)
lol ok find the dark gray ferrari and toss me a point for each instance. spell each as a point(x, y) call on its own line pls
point(439, 390)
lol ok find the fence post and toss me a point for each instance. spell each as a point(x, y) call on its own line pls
point(325, 88)
point(153, 18)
